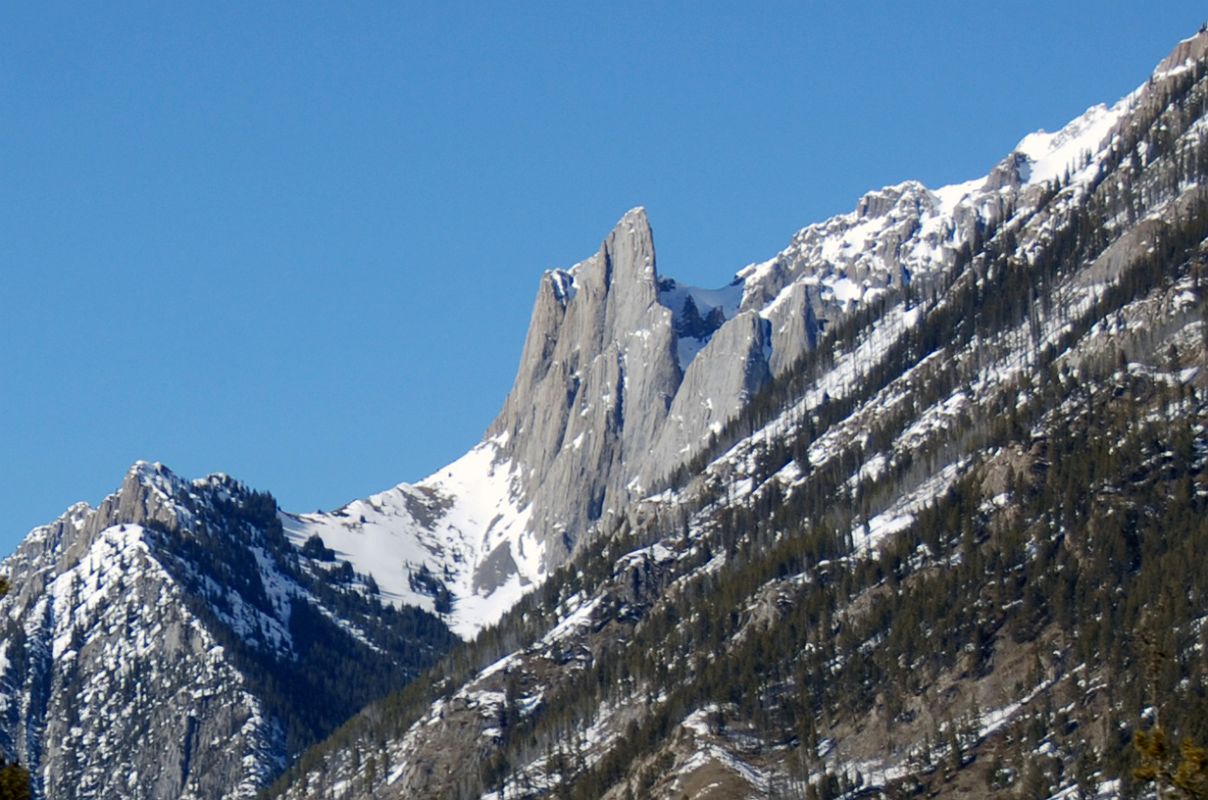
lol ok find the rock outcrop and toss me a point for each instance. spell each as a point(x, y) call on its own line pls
point(597, 376)
point(112, 686)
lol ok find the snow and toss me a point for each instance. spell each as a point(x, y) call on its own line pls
point(952, 195)
point(657, 552)
point(1051, 154)
point(450, 522)
point(564, 285)
point(698, 721)
point(572, 623)
point(80, 591)
point(882, 525)
point(847, 291)
point(709, 752)
point(474, 611)
point(875, 772)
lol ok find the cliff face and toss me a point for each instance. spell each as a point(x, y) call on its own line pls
point(620, 382)
point(597, 376)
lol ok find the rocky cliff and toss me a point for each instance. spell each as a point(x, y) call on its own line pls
point(597, 376)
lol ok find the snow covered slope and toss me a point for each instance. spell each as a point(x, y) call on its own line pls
point(455, 543)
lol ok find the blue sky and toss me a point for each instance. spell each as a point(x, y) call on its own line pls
point(299, 244)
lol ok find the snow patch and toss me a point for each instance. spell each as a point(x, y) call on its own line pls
point(447, 525)
point(1051, 154)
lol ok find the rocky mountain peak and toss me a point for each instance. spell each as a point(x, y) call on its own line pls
point(905, 197)
point(176, 614)
point(596, 376)
point(629, 248)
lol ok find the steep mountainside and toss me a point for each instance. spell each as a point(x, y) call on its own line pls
point(172, 643)
point(915, 506)
point(625, 374)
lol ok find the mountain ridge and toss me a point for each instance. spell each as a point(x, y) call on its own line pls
point(175, 615)
point(917, 233)
point(841, 592)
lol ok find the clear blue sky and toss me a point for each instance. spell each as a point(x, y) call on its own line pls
point(299, 244)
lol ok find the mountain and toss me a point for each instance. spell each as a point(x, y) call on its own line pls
point(610, 394)
point(172, 643)
point(915, 506)
point(625, 374)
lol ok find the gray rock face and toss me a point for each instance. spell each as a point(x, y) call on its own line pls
point(1010, 173)
point(796, 322)
point(718, 382)
point(1185, 53)
point(602, 407)
point(597, 375)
